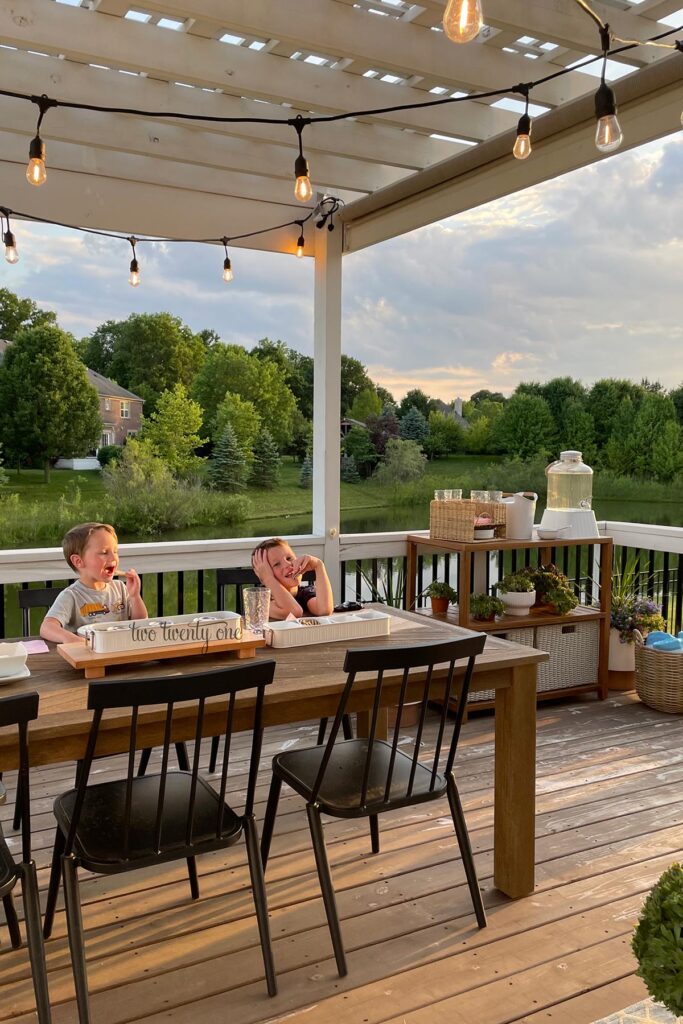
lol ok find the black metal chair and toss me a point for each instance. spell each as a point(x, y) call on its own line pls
point(19, 711)
point(239, 578)
point(131, 823)
point(366, 777)
point(37, 597)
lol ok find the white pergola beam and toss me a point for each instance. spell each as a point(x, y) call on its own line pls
point(649, 108)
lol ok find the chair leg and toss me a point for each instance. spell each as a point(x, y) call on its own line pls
point(347, 728)
point(53, 886)
point(321, 732)
point(258, 888)
point(194, 882)
point(34, 935)
point(213, 756)
point(269, 819)
point(144, 761)
point(74, 922)
point(374, 833)
point(16, 820)
point(315, 825)
point(466, 850)
point(12, 920)
point(183, 758)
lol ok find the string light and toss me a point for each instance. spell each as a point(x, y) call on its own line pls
point(11, 254)
point(608, 135)
point(522, 147)
point(35, 171)
point(227, 265)
point(134, 276)
point(301, 241)
point(302, 189)
point(462, 20)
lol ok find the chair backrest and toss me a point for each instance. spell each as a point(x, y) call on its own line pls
point(36, 597)
point(171, 691)
point(240, 578)
point(19, 711)
point(429, 670)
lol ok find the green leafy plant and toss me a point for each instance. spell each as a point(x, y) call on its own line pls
point(389, 588)
point(515, 583)
point(484, 607)
point(439, 589)
point(658, 941)
point(552, 587)
point(629, 610)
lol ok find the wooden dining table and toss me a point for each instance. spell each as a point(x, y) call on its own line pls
point(307, 686)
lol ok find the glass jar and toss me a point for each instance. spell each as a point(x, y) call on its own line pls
point(570, 483)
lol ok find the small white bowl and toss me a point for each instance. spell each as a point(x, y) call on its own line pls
point(12, 659)
point(545, 533)
point(484, 532)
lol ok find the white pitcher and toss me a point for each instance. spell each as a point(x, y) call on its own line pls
point(521, 508)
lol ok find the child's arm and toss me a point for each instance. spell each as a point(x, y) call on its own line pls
point(52, 629)
point(323, 602)
point(282, 602)
point(136, 606)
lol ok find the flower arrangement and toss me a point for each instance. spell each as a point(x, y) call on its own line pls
point(657, 942)
point(633, 612)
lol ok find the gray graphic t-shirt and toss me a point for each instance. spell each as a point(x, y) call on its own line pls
point(78, 605)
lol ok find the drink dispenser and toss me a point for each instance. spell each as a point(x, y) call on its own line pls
point(570, 495)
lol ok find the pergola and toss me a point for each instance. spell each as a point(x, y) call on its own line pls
point(395, 171)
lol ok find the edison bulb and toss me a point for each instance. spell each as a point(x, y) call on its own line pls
point(134, 276)
point(35, 172)
point(227, 270)
point(11, 254)
point(608, 135)
point(462, 20)
point(303, 190)
point(300, 246)
point(522, 147)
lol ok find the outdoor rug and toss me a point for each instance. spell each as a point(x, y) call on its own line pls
point(647, 1012)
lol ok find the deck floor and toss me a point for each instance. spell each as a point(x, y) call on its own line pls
point(609, 821)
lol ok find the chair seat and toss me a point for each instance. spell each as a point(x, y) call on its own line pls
point(340, 792)
point(99, 842)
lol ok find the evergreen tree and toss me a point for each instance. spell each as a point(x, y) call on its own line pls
point(349, 470)
point(265, 470)
point(228, 467)
point(414, 426)
point(306, 475)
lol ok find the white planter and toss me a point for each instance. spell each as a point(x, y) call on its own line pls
point(622, 657)
point(518, 604)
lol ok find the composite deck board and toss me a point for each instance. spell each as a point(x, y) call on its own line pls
point(609, 814)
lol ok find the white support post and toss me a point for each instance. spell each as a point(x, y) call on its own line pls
point(327, 398)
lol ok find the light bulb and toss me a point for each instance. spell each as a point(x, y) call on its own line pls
point(522, 147)
point(302, 189)
point(462, 20)
point(300, 242)
point(608, 135)
point(134, 276)
point(227, 270)
point(11, 254)
point(35, 172)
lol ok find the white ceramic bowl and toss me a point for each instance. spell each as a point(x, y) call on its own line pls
point(545, 533)
point(12, 659)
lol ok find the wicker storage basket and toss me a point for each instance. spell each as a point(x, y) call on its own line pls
point(525, 637)
point(573, 649)
point(454, 520)
point(659, 678)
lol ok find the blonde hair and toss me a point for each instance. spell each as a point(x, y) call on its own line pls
point(76, 540)
point(266, 545)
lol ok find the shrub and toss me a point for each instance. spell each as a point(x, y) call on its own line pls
point(658, 941)
point(108, 453)
point(403, 462)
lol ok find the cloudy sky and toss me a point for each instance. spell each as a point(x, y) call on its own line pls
point(580, 276)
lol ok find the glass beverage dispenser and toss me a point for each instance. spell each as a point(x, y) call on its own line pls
point(570, 496)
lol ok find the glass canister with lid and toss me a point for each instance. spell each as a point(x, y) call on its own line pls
point(570, 483)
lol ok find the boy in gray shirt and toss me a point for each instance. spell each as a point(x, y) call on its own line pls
point(96, 596)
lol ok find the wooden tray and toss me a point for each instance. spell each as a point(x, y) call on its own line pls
point(95, 665)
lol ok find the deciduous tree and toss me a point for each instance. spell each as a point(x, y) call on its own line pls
point(367, 403)
point(242, 417)
point(17, 314)
point(173, 431)
point(525, 428)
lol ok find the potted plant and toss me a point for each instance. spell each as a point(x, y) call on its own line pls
point(517, 592)
point(629, 611)
point(484, 607)
point(553, 589)
point(441, 595)
point(657, 943)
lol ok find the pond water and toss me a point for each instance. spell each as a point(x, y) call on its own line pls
point(414, 517)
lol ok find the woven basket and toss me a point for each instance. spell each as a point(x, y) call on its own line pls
point(659, 678)
point(454, 520)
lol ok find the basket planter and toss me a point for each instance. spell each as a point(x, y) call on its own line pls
point(518, 603)
point(659, 678)
point(622, 656)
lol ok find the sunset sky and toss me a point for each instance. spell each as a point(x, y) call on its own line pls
point(581, 276)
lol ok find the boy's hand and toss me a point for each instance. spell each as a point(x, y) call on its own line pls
point(132, 583)
point(262, 566)
point(307, 563)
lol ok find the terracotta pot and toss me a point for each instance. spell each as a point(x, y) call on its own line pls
point(622, 657)
point(439, 605)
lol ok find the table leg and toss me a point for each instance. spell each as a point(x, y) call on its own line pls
point(411, 573)
point(515, 784)
point(363, 719)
